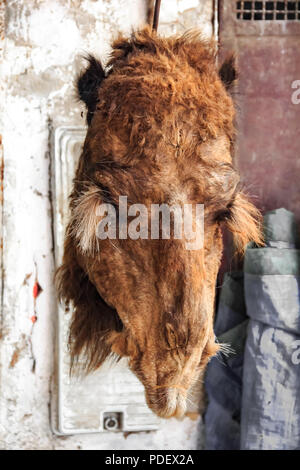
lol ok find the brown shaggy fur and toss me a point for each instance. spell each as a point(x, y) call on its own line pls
point(160, 131)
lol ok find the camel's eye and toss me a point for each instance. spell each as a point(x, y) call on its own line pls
point(170, 336)
point(223, 214)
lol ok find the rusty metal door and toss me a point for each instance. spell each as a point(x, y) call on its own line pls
point(266, 38)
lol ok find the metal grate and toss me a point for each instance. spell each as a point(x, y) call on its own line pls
point(268, 11)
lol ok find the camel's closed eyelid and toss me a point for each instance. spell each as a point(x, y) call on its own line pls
point(179, 346)
point(225, 212)
point(223, 215)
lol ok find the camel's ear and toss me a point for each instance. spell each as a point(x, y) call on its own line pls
point(245, 223)
point(88, 84)
point(228, 72)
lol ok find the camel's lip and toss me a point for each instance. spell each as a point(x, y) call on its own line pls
point(170, 402)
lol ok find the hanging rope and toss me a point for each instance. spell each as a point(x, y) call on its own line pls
point(156, 15)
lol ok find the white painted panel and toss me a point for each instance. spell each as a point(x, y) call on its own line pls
point(112, 394)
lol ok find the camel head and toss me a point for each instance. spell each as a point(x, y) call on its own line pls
point(160, 131)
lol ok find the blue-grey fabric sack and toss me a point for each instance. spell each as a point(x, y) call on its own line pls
point(254, 395)
point(223, 380)
point(270, 417)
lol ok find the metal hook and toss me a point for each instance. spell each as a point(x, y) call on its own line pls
point(156, 15)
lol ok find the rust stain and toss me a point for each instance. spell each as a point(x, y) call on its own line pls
point(36, 289)
point(25, 282)
point(17, 351)
point(35, 292)
point(2, 19)
point(26, 416)
point(15, 357)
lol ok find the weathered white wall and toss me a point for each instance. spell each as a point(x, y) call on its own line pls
point(42, 41)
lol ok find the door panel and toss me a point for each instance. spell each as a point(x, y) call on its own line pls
point(268, 57)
